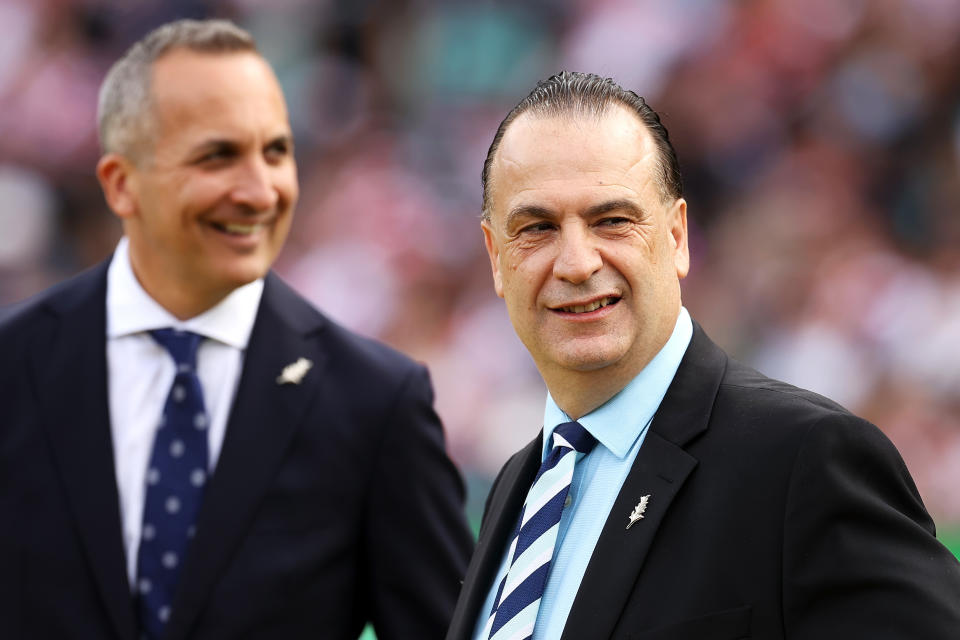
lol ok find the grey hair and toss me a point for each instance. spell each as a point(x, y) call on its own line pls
point(587, 94)
point(123, 108)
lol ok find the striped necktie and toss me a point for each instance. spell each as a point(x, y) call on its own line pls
point(531, 551)
point(177, 473)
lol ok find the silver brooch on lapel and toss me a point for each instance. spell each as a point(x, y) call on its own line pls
point(293, 373)
point(637, 513)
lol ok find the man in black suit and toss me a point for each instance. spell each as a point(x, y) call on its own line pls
point(716, 503)
point(327, 499)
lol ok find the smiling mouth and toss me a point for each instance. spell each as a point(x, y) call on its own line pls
point(235, 229)
point(592, 306)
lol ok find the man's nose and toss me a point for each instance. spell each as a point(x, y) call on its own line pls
point(578, 258)
point(255, 186)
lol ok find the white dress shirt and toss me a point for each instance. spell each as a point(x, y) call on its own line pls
point(140, 373)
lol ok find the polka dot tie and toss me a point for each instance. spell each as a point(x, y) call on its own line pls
point(531, 550)
point(175, 478)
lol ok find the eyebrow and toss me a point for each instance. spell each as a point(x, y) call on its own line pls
point(537, 211)
point(614, 205)
point(527, 211)
point(213, 143)
point(285, 138)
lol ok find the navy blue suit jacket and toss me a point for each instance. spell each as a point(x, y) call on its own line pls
point(773, 513)
point(333, 502)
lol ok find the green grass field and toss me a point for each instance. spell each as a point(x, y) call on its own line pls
point(951, 538)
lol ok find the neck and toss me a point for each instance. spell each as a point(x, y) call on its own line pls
point(183, 307)
point(579, 393)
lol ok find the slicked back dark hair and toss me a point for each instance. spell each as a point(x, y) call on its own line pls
point(586, 94)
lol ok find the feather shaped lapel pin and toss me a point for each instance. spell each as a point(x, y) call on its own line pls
point(637, 513)
point(293, 373)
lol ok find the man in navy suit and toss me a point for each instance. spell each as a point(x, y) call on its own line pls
point(328, 500)
point(715, 503)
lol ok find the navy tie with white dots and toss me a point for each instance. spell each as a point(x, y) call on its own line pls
point(176, 475)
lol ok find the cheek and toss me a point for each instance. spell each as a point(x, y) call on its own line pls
point(196, 191)
point(279, 234)
point(291, 187)
point(197, 196)
point(521, 287)
point(515, 276)
point(283, 180)
point(529, 257)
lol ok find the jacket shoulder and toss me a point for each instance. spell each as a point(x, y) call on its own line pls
point(366, 352)
point(25, 317)
point(348, 352)
point(747, 386)
point(774, 420)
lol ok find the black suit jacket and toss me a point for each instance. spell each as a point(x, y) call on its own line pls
point(773, 513)
point(333, 501)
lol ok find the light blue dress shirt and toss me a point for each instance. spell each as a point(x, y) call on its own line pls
point(619, 425)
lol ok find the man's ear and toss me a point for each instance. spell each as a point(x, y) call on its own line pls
point(118, 179)
point(494, 252)
point(677, 222)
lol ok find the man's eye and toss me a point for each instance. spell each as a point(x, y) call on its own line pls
point(217, 155)
point(277, 151)
point(539, 227)
point(613, 222)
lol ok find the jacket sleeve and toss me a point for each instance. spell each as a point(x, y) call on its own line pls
point(861, 559)
point(418, 539)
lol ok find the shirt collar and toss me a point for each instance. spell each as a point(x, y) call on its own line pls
point(618, 422)
point(130, 309)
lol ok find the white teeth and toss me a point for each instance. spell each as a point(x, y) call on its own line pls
point(593, 306)
point(241, 229)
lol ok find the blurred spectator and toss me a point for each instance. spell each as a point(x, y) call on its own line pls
point(819, 140)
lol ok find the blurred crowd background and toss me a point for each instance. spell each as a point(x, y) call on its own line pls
point(819, 142)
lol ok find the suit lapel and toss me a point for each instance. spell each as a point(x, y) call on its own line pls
point(72, 372)
point(508, 493)
point(660, 470)
point(262, 422)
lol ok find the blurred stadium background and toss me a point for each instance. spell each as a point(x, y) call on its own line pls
point(819, 141)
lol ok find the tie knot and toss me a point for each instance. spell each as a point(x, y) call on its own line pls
point(573, 436)
point(182, 345)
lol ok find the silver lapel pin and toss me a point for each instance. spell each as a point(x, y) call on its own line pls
point(293, 373)
point(637, 513)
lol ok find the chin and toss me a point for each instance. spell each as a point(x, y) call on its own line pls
point(588, 359)
point(228, 282)
point(246, 271)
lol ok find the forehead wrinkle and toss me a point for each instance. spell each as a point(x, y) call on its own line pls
point(646, 162)
point(649, 155)
point(558, 185)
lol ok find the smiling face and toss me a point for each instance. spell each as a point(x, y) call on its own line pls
point(584, 250)
point(209, 207)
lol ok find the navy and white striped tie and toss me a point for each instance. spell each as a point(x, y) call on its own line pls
point(531, 551)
